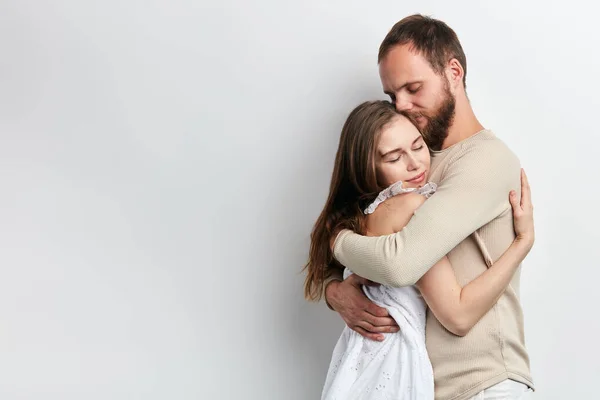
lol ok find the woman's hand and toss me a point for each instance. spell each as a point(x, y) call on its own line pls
point(523, 213)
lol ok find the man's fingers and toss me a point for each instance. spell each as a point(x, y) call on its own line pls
point(381, 327)
point(376, 311)
point(379, 320)
point(360, 313)
point(369, 335)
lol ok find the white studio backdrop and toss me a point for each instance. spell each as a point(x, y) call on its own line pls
point(163, 163)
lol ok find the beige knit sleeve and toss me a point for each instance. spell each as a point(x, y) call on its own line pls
point(472, 191)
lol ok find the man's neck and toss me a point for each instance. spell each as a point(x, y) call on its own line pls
point(465, 124)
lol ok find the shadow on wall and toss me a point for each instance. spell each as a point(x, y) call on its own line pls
point(310, 329)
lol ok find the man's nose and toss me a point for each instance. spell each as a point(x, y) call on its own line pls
point(403, 104)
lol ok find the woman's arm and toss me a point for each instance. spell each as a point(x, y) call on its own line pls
point(472, 193)
point(460, 308)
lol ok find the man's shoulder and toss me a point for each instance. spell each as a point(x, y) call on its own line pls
point(486, 147)
point(486, 141)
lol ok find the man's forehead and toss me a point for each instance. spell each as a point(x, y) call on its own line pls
point(403, 53)
point(401, 65)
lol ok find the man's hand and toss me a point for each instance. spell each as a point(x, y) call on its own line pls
point(359, 313)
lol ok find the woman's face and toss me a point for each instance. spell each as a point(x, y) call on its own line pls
point(402, 155)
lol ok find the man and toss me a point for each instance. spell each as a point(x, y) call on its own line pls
point(423, 69)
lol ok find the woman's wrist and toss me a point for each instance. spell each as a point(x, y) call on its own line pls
point(525, 241)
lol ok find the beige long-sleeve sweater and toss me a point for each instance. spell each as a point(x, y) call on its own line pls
point(475, 177)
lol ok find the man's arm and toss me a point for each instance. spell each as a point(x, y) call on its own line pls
point(337, 275)
point(473, 192)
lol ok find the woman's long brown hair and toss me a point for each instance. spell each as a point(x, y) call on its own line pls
point(353, 186)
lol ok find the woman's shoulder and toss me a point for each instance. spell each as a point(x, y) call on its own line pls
point(405, 203)
point(394, 213)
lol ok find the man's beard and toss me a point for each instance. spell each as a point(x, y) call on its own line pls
point(437, 127)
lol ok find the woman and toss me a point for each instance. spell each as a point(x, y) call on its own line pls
point(379, 180)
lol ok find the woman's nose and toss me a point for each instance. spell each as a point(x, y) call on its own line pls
point(412, 164)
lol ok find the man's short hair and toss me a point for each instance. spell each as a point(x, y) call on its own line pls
point(432, 38)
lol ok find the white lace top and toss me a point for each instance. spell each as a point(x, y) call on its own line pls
point(398, 367)
point(397, 188)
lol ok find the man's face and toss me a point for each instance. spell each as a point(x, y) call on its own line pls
point(418, 91)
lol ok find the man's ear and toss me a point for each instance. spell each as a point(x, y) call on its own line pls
point(455, 73)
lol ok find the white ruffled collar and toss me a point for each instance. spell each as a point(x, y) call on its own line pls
point(397, 188)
